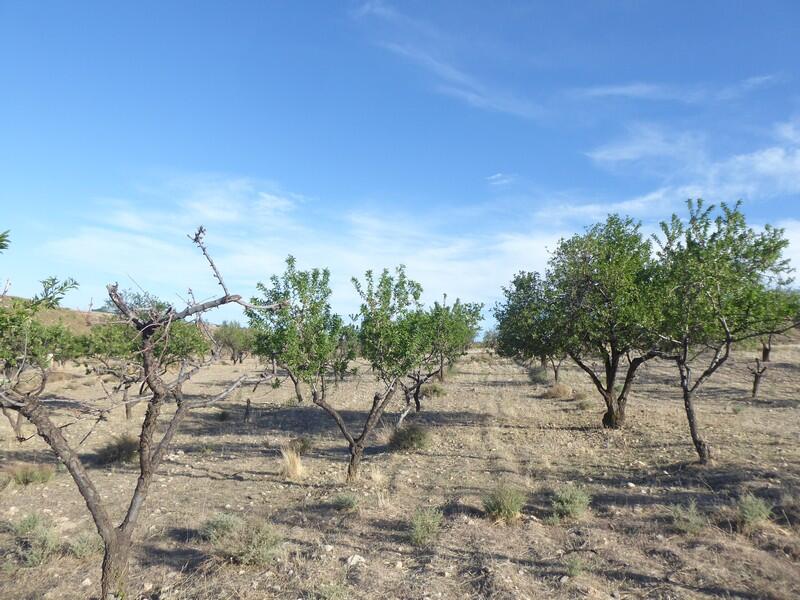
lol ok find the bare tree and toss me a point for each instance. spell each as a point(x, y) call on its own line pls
point(152, 328)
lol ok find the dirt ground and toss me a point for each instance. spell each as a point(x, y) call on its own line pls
point(491, 426)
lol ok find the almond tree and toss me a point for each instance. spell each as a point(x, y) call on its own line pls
point(152, 327)
point(717, 275)
point(602, 291)
point(235, 339)
point(526, 323)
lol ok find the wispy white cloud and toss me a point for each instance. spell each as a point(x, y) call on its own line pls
point(645, 141)
point(424, 45)
point(683, 93)
point(500, 179)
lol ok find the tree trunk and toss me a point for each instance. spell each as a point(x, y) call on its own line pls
point(766, 350)
point(614, 417)
point(556, 371)
point(356, 453)
point(758, 374)
point(297, 390)
point(274, 366)
point(703, 449)
point(128, 407)
point(114, 576)
point(440, 374)
point(247, 412)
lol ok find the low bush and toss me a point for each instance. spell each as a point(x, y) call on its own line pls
point(425, 525)
point(345, 502)
point(538, 375)
point(86, 545)
point(27, 474)
point(121, 449)
point(410, 437)
point(300, 445)
point(219, 526)
point(753, 512)
point(687, 519)
point(36, 540)
point(504, 503)
point(571, 502)
point(249, 544)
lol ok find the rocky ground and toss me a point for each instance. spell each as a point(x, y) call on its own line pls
point(491, 426)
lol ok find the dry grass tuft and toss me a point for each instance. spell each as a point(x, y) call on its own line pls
point(558, 391)
point(292, 466)
point(571, 502)
point(424, 526)
point(36, 540)
point(27, 474)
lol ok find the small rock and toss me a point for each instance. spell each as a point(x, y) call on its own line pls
point(398, 564)
point(86, 582)
point(564, 579)
point(147, 587)
point(327, 548)
point(631, 484)
point(355, 560)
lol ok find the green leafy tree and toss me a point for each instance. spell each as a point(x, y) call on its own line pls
point(304, 333)
point(603, 295)
point(346, 352)
point(237, 340)
point(527, 325)
point(718, 278)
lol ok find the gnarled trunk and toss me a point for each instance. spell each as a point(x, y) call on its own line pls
point(114, 575)
point(614, 417)
point(766, 350)
point(297, 390)
point(356, 454)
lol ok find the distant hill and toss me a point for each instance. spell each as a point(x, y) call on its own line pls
point(77, 321)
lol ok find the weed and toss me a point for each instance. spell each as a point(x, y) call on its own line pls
point(300, 445)
point(431, 390)
point(86, 545)
point(121, 449)
point(575, 566)
point(570, 501)
point(687, 519)
point(28, 474)
point(292, 467)
point(504, 503)
point(410, 437)
point(249, 544)
point(36, 540)
point(585, 404)
point(334, 591)
point(580, 395)
point(753, 512)
point(424, 526)
point(345, 502)
point(219, 526)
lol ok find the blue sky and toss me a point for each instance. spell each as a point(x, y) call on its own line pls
point(460, 138)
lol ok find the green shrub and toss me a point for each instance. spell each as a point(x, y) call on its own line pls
point(121, 449)
point(687, 519)
point(28, 474)
point(753, 512)
point(410, 437)
point(249, 544)
point(36, 540)
point(86, 545)
point(345, 502)
point(424, 526)
point(504, 503)
point(570, 501)
point(575, 566)
point(219, 526)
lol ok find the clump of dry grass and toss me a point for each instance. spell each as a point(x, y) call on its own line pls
point(301, 445)
point(431, 390)
point(558, 391)
point(254, 544)
point(292, 467)
point(36, 540)
point(27, 474)
point(86, 545)
point(376, 476)
point(345, 502)
point(538, 375)
point(688, 519)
